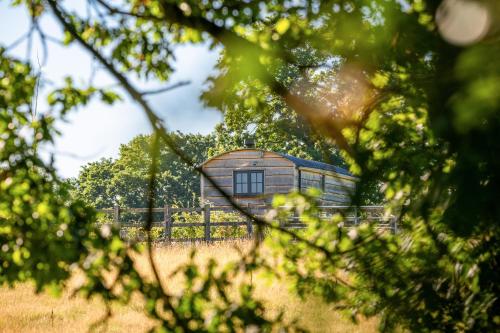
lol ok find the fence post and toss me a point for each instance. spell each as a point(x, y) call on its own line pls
point(249, 221)
point(206, 219)
point(394, 226)
point(116, 217)
point(167, 219)
point(249, 227)
point(295, 219)
point(356, 221)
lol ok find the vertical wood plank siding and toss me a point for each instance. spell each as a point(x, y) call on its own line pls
point(338, 188)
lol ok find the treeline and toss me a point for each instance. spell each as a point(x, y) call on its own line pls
point(124, 180)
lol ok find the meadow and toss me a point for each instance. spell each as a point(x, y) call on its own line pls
point(21, 310)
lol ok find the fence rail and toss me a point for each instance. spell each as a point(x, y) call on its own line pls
point(172, 219)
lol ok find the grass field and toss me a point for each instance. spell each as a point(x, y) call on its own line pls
point(23, 311)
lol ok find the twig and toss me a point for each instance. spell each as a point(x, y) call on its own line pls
point(93, 72)
point(37, 85)
point(43, 39)
point(96, 9)
point(231, 40)
point(30, 33)
point(73, 155)
point(162, 90)
point(19, 40)
point(113, 11)
point(149, 222)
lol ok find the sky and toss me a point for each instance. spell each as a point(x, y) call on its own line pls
point(97, 130)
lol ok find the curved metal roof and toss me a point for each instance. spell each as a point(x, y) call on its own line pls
point(300, 162)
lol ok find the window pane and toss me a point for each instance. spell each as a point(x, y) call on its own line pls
point(248, 182)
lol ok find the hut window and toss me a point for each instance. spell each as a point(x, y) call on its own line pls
point(323, 183)
point(248, 182)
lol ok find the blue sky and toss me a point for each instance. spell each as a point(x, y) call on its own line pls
point(97, 130)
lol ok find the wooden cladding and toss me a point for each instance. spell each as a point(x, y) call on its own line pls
point(279, 175)
point(276, 172)
point(336, 190)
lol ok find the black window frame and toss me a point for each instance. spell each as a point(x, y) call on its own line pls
point(248, 174)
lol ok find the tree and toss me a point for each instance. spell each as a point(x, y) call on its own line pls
point(93, 184)
point(409, 101)
point(124, 181)
point(252, 111)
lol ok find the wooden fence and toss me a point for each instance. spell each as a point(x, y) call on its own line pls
point(171, 219)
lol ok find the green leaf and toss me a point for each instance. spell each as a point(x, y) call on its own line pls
point(282, 26)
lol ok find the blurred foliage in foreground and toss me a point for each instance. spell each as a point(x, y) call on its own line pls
point(407, 90)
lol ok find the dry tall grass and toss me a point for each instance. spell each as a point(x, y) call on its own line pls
point(23, 311)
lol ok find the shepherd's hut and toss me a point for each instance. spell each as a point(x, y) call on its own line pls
point(252, 176)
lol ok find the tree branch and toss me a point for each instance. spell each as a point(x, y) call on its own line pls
point(162, 90)
point(149, 223)
point(173, 14)
point(159, 128)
